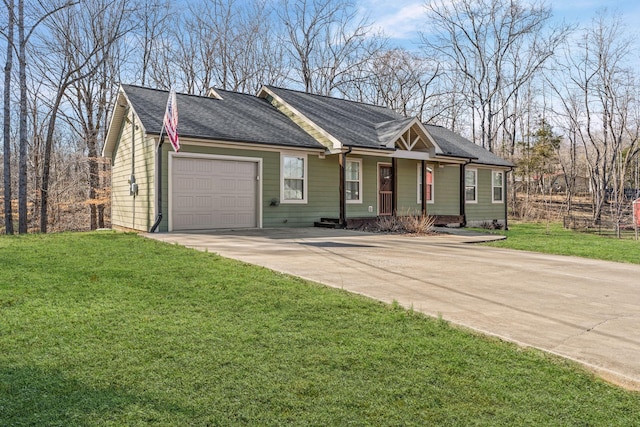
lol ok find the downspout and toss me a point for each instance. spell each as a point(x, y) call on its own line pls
point(463, 201)
point(159, 177)
point(343, 186)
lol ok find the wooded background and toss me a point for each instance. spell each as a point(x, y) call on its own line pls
point(559, 101)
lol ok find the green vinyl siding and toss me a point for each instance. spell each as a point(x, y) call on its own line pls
point(484, 210)
point(446, 190)
point(322, 198)
point(369, 188)
point(446, 181)
point(322, 186)
point(407, 198)
point(132, 211)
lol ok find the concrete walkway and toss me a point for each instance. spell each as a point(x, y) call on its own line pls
point(584, 310)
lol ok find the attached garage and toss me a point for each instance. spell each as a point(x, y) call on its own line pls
point(210, 193)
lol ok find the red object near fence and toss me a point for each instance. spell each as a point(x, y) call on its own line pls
point(636, 212)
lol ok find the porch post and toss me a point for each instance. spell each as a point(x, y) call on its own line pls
point(343, 165)
point(424, 188)
point(394, 178)
point(463, 213)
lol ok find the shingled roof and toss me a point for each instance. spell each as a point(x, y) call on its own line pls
point(356, 124)
point(455, 145)
point(236, 117)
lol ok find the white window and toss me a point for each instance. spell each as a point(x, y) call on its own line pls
point(471, 185)
point(353, 181)
point(497, 186)
point(293, 178)
point(429, 184)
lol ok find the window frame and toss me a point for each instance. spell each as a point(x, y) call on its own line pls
point(475, 185)
point(359, 181)
point(305, 167)
point(419, 184)
point(501, 186)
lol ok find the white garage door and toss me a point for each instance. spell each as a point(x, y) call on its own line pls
point(208, 193)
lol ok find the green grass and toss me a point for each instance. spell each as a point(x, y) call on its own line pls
point(554, 239)
point(112, 329)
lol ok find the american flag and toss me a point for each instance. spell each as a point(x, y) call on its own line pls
point(171, 120)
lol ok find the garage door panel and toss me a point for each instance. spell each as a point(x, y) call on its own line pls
point(213, 193)
point(245, 203)
point(182, 183)
point(202, 184)
point(183, 202)
point(204, 202)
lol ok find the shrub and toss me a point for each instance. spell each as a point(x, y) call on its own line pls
point(412, 224)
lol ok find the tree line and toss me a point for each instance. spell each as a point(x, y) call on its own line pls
point(560, 101)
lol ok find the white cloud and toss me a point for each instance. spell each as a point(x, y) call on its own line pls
point(398, 19)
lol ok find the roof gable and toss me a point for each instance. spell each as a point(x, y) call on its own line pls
point(226, 116)
point(291, 118)
point(352, 124)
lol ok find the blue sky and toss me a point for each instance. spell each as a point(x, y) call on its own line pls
point(403, 19)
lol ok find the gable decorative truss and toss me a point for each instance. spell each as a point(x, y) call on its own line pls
point(409, 138)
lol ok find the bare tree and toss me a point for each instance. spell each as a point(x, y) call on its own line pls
point(81, 54)
point(229, 47)
point(24, 35)
point(604, 121)
point(326, 42)
point(6, 130)
point(496, 45)
point(402, 81)
point(22, 165)
point(153, 16)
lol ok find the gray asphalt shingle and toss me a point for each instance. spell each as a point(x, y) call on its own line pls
point(236, 117)
point(368, 126)
point(241, 117)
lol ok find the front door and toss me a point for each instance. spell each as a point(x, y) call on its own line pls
point(385, 189)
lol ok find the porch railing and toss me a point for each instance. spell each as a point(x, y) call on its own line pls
point(386, 202)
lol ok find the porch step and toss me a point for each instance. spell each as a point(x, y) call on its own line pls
point(328, 223)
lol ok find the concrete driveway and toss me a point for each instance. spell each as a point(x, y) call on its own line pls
point(585, 310)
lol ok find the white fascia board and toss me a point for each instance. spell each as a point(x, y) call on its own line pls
point(120, 110)
point(411, 155)
point(242, 145)
point(429, 137)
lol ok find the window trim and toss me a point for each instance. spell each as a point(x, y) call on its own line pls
point(493, 186)
point(305, 166)
point(419, 183)
point(359, 181)
point(475, 186)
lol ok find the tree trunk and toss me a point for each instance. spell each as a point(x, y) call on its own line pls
point(22, 164)
point(8, 211)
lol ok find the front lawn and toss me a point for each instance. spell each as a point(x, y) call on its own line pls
point(113, 329)
point(555, 239)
